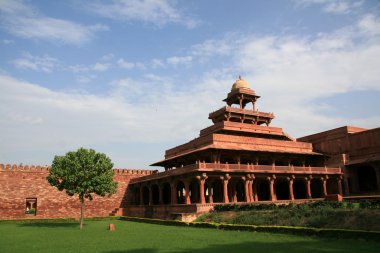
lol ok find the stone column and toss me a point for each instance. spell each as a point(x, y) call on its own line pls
point(187, 192)
point(246, 188)
point(250, 191)
point(308, 188)
point(290, 182)
point(202, 179)
point(271, 188)
point(225, 180)
point(324, 181)
point(255, 197)
point(173, 193)
point(210, 193)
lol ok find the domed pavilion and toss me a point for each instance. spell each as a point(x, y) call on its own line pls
point(238, 159)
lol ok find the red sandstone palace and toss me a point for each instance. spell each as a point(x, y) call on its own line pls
point(239, 159)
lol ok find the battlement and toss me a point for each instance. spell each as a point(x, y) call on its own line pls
point(46, 168)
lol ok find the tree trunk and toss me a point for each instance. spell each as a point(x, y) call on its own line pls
point(81, 213)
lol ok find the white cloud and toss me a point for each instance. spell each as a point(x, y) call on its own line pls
point(125, 65)
point(332, 6)
point(176, 60)
point(24, 21)
point(157, 12)
point(37, 63)
point(291, 73)
point(101, 66)
point(84, 79)
point(157, 63)
point(98, 67)
point(107, 57)
point(370, 24)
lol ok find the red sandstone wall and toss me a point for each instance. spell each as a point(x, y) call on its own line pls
point(19, 183)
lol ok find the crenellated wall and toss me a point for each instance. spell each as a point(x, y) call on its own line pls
point(18, 183)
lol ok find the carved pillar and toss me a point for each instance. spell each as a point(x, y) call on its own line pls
point(241, 102)
point(271, 188)
point(254, 190)
point(324, 185)
point(225, 180)
point(290, 182)
point(173, 193)
point(187, 192)
point(202, 179)
point(250, 190)
point(247, 192)
point(308, 188)
point(251, 196)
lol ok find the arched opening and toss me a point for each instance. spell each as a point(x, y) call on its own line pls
point(166, 193)
point(282, 189)
point(145, 195)
point(367, 179)
point(155, 194)
point(194, 191)
point(299, 189)
point(263, 191)
point(217, 191)
point(316, 187)
point(180, 192)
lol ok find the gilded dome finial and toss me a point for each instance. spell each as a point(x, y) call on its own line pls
point(240, 83)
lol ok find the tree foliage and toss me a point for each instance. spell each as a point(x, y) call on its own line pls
point(84, 173)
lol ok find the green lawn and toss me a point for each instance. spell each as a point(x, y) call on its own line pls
point(135, 237)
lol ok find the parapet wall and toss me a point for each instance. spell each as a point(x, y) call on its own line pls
point(45, 168)
point(21, 182)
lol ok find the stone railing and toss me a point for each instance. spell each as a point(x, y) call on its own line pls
point(225, 167)
point(268, 168)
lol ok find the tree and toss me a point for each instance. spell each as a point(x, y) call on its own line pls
point(84, 172)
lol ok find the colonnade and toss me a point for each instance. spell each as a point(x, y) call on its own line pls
point(227, 188)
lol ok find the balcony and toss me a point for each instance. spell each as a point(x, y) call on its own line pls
point(242, 168)
point(268, 168)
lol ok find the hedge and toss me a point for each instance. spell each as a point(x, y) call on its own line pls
point(346, 204)
point(322, 232)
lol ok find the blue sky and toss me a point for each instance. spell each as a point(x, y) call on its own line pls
point(133, 78)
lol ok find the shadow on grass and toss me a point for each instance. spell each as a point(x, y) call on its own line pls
point(51, 224)
point(319, 245)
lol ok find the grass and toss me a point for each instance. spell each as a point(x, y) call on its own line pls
point(360, 219)
point(135, 237)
